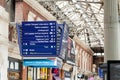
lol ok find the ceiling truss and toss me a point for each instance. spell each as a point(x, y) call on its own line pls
point(84, 17)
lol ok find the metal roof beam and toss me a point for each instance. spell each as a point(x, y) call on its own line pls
point(91, 27)
point(90, 1)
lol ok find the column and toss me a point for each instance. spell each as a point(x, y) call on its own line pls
point(111, 30)
point(83, 58)
point(3, 61)
point(76, 60)
point(80, 55)
point(4, 19)
point(89, 62)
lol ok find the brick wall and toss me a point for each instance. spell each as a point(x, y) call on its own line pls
point(21, 12)
point(29, 8)
point(84, 59)
point(2, 3)
point(24, 73)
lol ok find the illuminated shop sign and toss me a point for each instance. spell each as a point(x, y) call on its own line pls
point(39, 63)
point(50, 63)
point(39, 38)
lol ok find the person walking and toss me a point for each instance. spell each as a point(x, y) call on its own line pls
point(91, 77)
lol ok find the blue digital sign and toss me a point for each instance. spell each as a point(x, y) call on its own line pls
point(39, 38)
point(39, 63)
point(50, 62)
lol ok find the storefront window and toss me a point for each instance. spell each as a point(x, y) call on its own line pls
point(8, 64)
point(14, 72)
point(16, 66)
point(37, 73)
point(43, 73)
point(11, 65)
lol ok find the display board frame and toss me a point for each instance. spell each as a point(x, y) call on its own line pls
point(25, 38)
point(113, 72)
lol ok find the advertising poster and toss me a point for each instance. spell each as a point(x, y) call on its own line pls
point(71, 51)
point(100, 72)
point(55, 71)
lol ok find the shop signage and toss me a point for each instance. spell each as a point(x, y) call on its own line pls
point(100, 72)
point(53, 63)
point(67, 74)
point(113, 70)
point(39, 63)
point(39, 38)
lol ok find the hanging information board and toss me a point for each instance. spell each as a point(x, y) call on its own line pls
point(60, 30)
point(39, 38)
point(64, 41)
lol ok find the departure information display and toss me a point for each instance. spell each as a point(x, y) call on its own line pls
point(39, 38)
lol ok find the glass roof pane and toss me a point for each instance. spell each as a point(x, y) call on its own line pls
point(62, 3)
point(84, 14)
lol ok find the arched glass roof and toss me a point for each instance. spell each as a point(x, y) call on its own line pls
point(84, 17)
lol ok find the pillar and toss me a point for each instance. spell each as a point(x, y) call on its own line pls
point(111, 30)
point(4, 20)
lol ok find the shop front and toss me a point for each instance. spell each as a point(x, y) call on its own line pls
point(43, 73)
point(43, 69)
point(37, 73)
point(14, 69)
